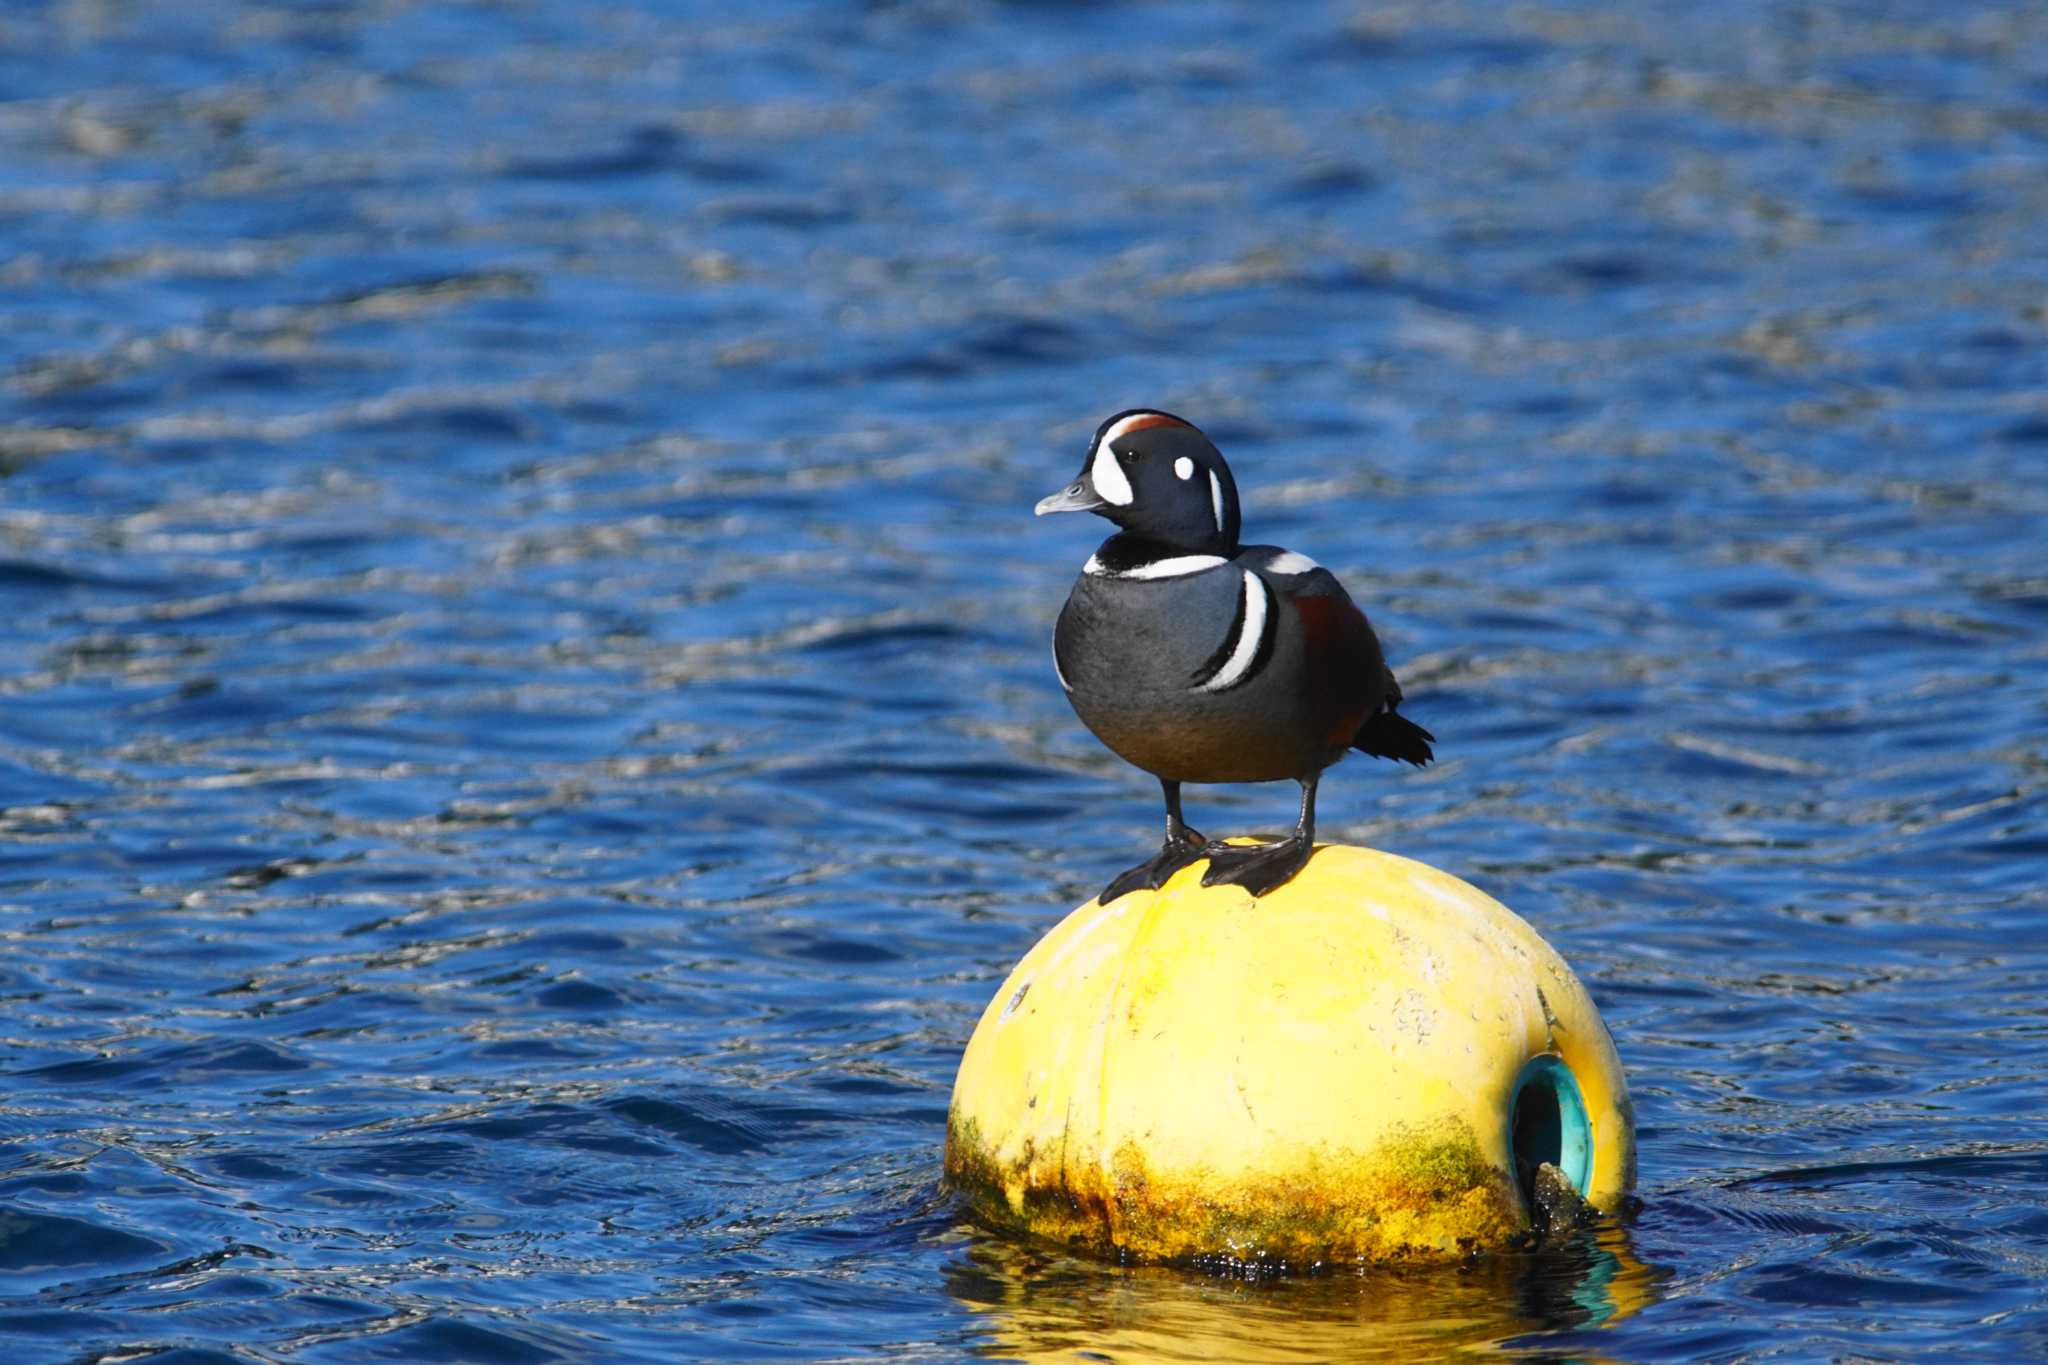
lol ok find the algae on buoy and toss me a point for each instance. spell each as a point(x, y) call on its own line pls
point(1369, 1062)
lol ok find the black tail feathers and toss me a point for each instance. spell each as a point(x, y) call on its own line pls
point(1387, 735)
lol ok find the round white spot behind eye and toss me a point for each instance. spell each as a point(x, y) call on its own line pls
point(1108, 476)
point(1184, 468)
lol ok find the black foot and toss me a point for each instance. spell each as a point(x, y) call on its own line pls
point(1259, 868)
point(1173, 855)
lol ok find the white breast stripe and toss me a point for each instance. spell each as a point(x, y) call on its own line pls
point(1247, 648)
point(1178, 567)
point(1287, 561)
point(1216, 499)
point(1108, 476)
point(1064, 684)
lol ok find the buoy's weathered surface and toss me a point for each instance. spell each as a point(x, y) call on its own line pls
point(1369, 1062)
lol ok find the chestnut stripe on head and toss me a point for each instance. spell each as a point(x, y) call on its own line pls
point(1139, 421)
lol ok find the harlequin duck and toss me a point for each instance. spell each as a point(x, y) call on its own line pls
point(1202, 660)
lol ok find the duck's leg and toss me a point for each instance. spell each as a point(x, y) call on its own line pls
point(1262, 867)
point(1182, 846)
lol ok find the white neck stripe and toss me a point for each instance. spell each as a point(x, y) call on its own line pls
point(1216, 500)
point(1177, 567)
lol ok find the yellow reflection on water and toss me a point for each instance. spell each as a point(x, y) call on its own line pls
point(1042, 1304)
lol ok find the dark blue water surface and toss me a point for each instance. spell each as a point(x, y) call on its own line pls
point(526, 732)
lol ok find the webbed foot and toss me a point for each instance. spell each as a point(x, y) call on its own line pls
point(1173, 855)
point(1260, 868)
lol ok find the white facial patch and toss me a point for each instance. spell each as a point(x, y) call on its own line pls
point(1287, 561)
point(1108, 476)
point(1183, 469)
point(1216, 499)
point(1246, 651)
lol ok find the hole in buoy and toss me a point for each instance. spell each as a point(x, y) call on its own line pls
point(1547, 1117)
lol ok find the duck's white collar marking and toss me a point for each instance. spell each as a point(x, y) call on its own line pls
point(1216, 499)
point(1183, 469)
point(1177, 567)
point(1108, 476)
point(1287, 561)
point(1246, 651)
point(1057, 672)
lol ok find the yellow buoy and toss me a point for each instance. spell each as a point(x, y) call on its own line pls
point(1369, 1062)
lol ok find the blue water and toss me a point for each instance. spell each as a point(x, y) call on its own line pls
point(526, 732)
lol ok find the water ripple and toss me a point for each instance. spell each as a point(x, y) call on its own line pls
point(525, 732)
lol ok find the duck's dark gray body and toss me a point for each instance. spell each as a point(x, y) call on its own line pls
point(1236, 672)
point(1202, 660)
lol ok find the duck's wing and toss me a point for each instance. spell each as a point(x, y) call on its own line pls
point(1344, 634)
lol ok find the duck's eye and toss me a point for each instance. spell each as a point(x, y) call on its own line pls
point(1133, 456)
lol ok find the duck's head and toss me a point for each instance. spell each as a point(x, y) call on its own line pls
point(1156, 476)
